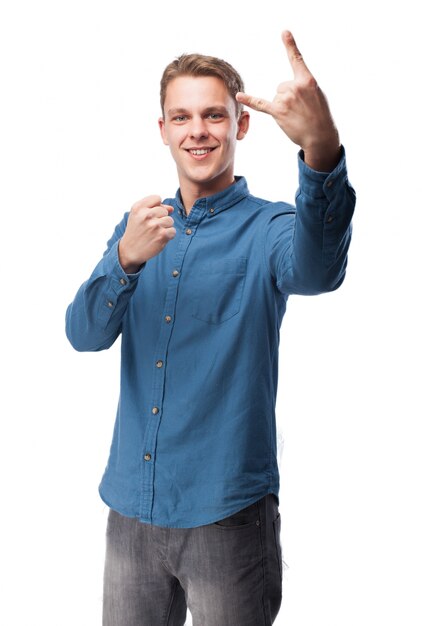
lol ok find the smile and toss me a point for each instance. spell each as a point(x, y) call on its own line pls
point(200, 151)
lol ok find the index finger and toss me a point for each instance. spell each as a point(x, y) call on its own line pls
point(296, 59)
point(161, 210)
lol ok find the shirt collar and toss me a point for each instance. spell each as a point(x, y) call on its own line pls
point(214, 204)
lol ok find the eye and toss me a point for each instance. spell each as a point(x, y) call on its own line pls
point(215, 116)
point(180, 118)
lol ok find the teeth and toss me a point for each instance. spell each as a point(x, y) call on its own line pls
point(199, 152)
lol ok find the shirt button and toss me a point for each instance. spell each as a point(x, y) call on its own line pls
point(212, 210)
point(330, 219)
point(330, 183)
point(188, 231)
point(147, 456)
point(122, 281)
point(155, 410)
point(175, 273)
point(159, 364)
point(110, 304)
point(168, 319)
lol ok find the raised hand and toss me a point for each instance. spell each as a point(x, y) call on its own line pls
point(301, 110)
point(149, 228)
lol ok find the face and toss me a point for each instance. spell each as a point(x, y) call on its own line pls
point(201, 128)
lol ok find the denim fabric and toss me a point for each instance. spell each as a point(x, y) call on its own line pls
point(195, 432)
point(228, 573)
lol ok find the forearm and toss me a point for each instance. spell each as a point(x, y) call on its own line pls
point(315, 254)
point(94, 318)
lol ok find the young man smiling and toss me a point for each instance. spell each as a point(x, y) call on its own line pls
point(197, 287)
point(202, 138)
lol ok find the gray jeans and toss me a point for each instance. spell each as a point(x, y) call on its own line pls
point(228, 573)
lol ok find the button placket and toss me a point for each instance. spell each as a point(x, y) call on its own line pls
point(160, 367)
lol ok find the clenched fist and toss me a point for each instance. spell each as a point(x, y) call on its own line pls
point(149, 228)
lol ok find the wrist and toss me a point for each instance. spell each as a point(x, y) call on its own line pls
point(128, 265)
point(323, 157)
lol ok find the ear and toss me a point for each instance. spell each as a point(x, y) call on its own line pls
point(162, 125)
point(243, 125)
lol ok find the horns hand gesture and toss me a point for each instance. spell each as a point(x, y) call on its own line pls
point(301, 110)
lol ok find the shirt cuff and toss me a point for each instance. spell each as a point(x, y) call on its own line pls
point(320, 185)
point(116, 272)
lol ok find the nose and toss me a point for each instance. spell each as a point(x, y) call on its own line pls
point(198, 128)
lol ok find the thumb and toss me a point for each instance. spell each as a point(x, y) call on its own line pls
point(258, 104)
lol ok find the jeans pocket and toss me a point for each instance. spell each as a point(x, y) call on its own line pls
point(242, 519)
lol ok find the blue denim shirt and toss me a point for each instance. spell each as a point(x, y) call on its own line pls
point(195, 431)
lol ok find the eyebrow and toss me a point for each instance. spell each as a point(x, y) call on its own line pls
point(217, 109)
point(176, 112)
point(207, 111)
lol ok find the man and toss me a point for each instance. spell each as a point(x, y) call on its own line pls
point(197, 287)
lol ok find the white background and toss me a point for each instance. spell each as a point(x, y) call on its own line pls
point(79, 145)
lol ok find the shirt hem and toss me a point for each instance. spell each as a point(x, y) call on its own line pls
point(186, 524)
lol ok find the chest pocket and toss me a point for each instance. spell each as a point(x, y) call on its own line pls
point(218, 291)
